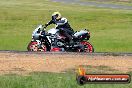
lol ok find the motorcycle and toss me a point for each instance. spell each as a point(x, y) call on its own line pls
point(53, 40)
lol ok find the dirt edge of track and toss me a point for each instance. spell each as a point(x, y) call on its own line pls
point(26, 62)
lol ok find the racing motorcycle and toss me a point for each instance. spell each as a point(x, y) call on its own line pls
point(53, 40)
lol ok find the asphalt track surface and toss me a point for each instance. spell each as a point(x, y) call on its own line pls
point(70, 53)
point(94, 4)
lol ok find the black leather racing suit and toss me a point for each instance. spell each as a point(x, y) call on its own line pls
point(63, 26)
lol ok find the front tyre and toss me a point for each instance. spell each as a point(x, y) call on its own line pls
point(87, 47)
point(33, 46)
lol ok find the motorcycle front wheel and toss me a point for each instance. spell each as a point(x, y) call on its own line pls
point(33, 46)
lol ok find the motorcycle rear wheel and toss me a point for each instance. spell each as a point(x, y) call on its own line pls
point(88, 47)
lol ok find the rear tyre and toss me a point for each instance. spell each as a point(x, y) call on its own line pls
point(33, 46)
point(87, 47)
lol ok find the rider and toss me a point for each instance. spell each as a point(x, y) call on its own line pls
point(61, 24)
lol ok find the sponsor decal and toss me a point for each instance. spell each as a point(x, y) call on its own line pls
point(83, 78)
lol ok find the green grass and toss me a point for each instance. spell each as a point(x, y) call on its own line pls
point(50, 80)
point(110, 29)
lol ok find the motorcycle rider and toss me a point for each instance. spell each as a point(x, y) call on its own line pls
point(62, 24)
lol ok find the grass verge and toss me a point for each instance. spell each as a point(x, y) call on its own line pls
point(50, 80)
